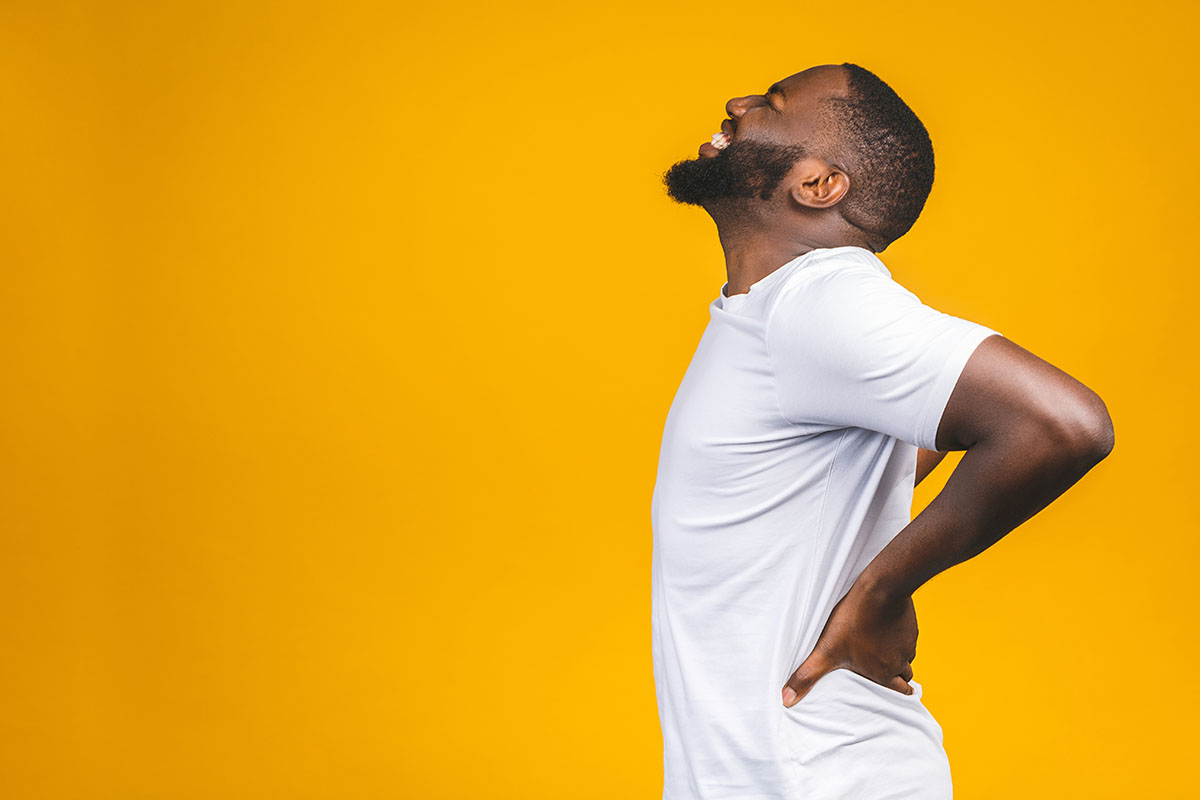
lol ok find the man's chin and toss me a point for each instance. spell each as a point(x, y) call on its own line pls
point(744, 171)
point(699, 181)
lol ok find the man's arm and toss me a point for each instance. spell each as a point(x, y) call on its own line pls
point(1030, 431)
point(927, 461)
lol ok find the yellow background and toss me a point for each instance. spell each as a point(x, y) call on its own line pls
point(338, 340)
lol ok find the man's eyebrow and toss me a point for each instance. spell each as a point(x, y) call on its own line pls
point(777, 89)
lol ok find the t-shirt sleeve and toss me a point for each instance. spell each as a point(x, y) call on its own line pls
point(853, 348)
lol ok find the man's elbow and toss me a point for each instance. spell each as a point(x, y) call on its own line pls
point(1084, 429)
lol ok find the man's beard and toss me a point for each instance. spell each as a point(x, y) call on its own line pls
point(744, 169)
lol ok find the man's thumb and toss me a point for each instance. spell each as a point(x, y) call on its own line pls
point(801, 681)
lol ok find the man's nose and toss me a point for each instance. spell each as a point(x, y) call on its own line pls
point(740, 105)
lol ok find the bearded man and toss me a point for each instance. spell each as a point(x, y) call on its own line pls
point(820, 393)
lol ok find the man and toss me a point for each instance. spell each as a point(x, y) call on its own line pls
point(820, 393)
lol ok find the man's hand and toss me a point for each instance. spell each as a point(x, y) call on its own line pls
point(868, 632)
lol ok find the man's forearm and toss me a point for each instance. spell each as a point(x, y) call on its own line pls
point(927, 460)
point(999, 483)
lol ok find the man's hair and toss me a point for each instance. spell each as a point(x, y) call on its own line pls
point(889, 153)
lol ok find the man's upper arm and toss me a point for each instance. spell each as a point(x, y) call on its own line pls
point(1003, 387)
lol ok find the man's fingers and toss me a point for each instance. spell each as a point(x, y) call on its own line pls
point(802, 680)
point(901, 684)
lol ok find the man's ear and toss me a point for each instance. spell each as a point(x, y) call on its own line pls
point(818, 184)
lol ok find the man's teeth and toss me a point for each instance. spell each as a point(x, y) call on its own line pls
point(721, 140)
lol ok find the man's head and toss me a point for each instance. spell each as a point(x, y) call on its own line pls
point(849, 155)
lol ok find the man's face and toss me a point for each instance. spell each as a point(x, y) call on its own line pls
point(766, 134)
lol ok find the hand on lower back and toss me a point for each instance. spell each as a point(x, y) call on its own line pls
point(867, 634)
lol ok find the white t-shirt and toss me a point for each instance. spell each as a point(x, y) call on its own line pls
point(787, 463)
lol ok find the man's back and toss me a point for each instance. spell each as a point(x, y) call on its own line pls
point(787, 464)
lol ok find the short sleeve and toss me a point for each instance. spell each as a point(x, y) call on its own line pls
point(851, 347)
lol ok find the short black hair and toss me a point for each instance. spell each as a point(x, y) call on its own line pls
point(889, 152)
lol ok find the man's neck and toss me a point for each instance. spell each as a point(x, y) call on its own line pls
point(754, 247)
